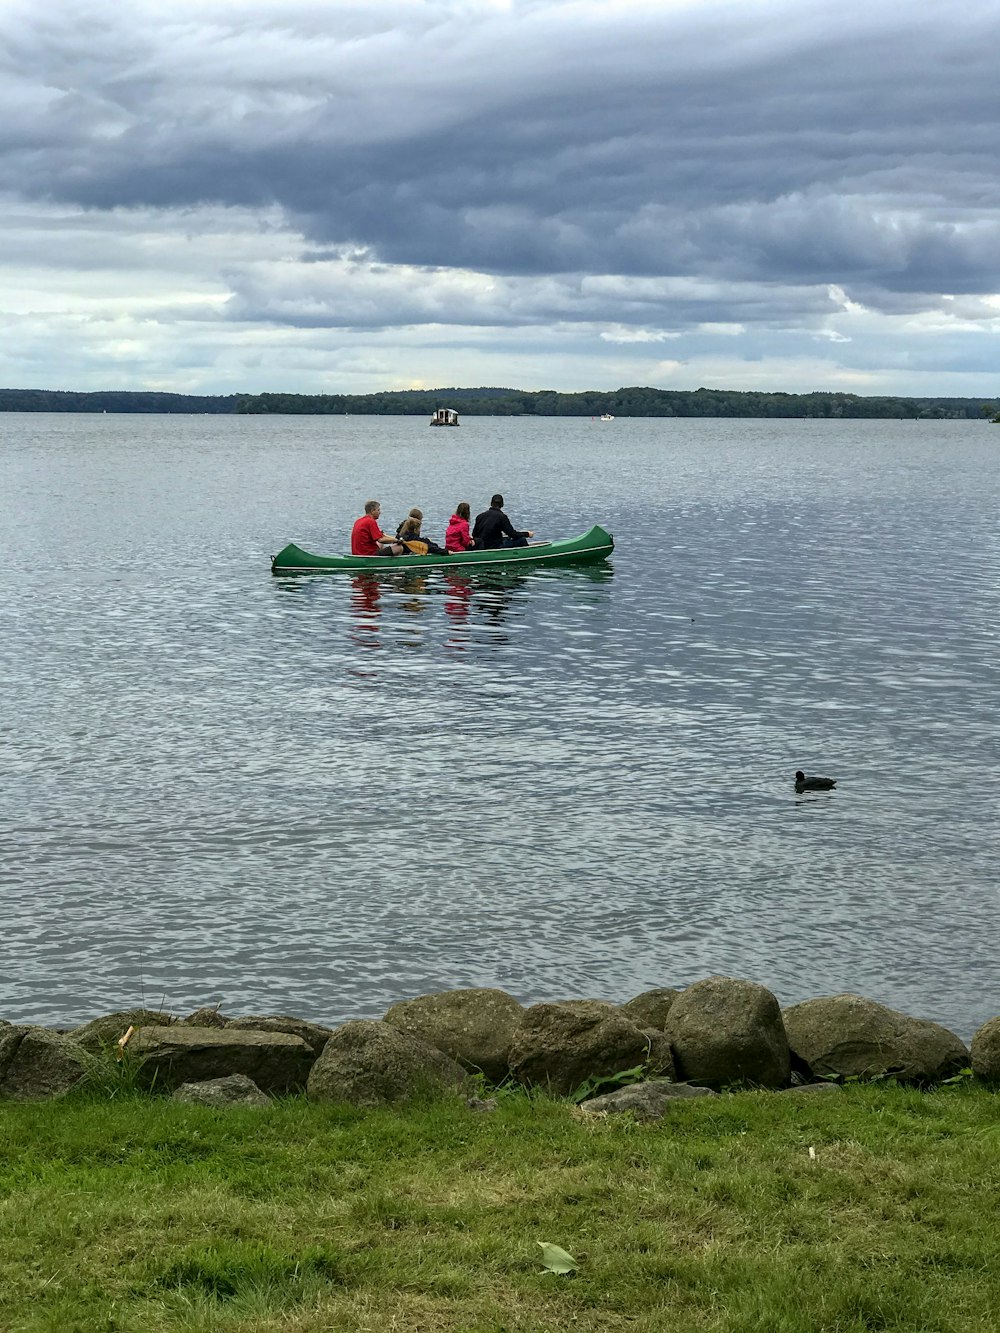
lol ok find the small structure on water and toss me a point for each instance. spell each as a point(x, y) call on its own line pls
point(445, 416)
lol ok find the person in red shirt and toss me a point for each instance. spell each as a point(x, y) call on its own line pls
point(367, 538)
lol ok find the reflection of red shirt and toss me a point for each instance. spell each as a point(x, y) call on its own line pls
point(364, 536)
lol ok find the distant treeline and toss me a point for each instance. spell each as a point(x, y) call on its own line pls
point(620, 403)
point(509, 403)
point(112, 400)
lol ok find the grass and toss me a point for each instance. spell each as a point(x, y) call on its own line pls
point(138, 1215)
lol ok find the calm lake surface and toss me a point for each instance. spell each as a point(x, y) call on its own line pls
point(319, 795)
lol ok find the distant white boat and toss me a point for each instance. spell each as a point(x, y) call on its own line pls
point(606, 416)
point(445, 416)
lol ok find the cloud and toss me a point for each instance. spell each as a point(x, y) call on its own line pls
point(624, 173)
point(619, 334)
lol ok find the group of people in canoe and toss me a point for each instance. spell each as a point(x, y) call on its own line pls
point(491, 531)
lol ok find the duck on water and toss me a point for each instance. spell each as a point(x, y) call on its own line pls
point(812, 782)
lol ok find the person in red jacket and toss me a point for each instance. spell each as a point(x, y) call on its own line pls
point(458, 537)
point(367, 538)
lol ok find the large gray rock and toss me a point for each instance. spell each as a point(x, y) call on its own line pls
point(724, 1031)
point(101, 1033)
point(234, 1090)
point(315, 1035)
point(850, 1036)
point(369, 1063)
point(38, 1064)
point(646, 1101)
point(559, 1046)
point(11, 1037)
point(276, 1061)
point(474, 1027)
point(985, 1051)
point(650, 1009)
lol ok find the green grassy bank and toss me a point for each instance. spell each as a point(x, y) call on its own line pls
point(139, 1215)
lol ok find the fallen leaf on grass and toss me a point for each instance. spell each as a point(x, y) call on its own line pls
point(556, 1260)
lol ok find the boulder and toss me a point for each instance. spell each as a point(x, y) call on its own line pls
point(10, 1039)
point(724, 1031)
point(38, 1064)
point(650, 1009)
point(100, 1033)
point(559, 1046)
point(850, 1036)
point(370, 1063)
point(646, 1101)
point(276, 1061)
point(985, 1051)
point(315, 1035)
point(206, 1017)
point(234, 1090)
point(474, 1027)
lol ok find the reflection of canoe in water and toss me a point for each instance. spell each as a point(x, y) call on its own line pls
point(593, 545)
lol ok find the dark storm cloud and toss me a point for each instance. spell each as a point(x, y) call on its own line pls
point(779, 144)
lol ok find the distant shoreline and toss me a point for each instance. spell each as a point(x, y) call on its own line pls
point(490, 402)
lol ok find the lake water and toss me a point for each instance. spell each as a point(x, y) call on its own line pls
point(319, 795)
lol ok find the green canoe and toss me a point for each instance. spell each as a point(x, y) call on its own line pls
point(593, 545)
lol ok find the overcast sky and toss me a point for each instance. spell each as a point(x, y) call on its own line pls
point(354, 195)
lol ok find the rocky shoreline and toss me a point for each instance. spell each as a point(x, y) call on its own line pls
point(718, 1034)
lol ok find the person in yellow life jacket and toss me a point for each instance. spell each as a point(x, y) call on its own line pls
point(408, 533)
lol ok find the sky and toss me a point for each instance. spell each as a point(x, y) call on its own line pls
point(349, 196)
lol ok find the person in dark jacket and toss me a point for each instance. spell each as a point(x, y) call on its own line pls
point(494, 529)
